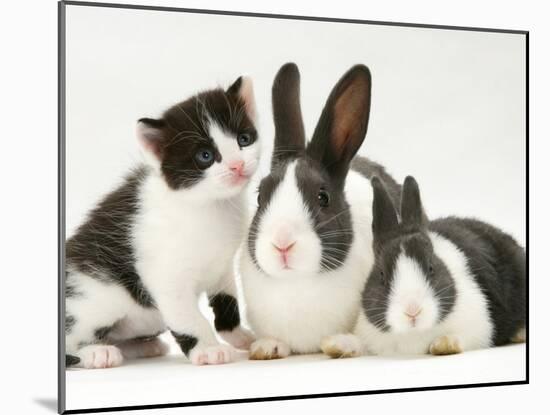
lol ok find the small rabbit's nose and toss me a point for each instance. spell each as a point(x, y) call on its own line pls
point(413, 311)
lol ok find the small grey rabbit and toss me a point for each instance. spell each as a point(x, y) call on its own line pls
point(441, 287)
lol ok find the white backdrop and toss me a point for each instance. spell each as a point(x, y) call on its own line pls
point(28, 213)
point(448, 106)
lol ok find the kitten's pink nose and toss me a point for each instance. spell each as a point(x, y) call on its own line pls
point(237, 167)
point(412, 311)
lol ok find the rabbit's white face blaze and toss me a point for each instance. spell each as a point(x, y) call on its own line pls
point(411, 304)
point(287, 245)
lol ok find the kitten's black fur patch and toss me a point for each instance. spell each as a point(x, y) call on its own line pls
point(146, 338)
point(186, 342)
point(71, 360)
point(70, 289)
point(69, 323)
point(101, 246)
point(102, 333)
point(226, 312)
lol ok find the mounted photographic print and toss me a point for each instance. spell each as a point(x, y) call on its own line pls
point(259, 207)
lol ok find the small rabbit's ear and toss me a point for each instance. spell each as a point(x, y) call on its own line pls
point(343, 123)
point(243, 89)
point(287, 114)
point(412, 213)
point(384, 217)
point(150, 133)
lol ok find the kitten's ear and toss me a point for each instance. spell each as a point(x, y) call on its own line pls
point(150, 133)
point(384, 217)
point(412, 212)
point(243, 89)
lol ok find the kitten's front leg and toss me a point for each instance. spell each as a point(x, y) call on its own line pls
point(190, 328)
point(227, 317)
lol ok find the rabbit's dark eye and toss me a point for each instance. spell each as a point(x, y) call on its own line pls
point(205, 157)
point(323, 197)
point(244, 140)
point(431, 269)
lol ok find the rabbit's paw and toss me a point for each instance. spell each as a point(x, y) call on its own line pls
point(268, 349)
point(341, 345)
point(443, 345)
point(519, 337)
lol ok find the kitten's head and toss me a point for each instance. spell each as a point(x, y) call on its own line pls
point(206, 146)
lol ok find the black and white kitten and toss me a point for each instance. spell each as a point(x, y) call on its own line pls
point(169, 233)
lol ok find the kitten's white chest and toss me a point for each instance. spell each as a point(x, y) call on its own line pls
point(177, 239)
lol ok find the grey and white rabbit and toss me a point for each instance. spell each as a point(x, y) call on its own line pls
point(310, 241)
point(441, 287)
point(167, 234)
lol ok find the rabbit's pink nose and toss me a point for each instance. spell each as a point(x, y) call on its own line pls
point(285, 247)
point(412, 311)
point(283, 250)
point(237, 167)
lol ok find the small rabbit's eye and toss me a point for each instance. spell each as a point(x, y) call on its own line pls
point(244, 140)
point(323, 198)
point(431, 269)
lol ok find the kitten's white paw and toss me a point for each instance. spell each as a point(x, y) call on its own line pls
point(341, 345)
point(212, 355)
point(100, 356)
point(239, 338)
point(268, 349)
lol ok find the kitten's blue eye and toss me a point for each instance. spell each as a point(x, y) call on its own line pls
point(244, 140)
point(205, 157)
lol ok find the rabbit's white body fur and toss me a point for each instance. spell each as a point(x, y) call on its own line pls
point(469, 321)
point(301, 311)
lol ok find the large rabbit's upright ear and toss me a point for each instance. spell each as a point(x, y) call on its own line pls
point(289, 128)
point(343, 123)
point(412, 212)
point(384, 216)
